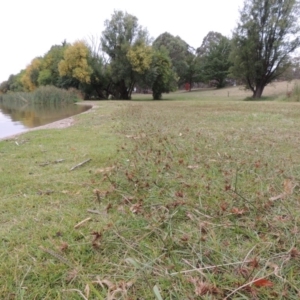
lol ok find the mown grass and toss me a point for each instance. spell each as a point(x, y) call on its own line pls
point(195, 198)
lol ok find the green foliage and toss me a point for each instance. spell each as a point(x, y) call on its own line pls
point(122, 34)
point(181, 55)
point(161, 77)
point(49, 74)
point(30, 76)
point(75, 63)
point(215, 59)
point(45, 77)
point(211, 39)
point(4, 87)
point(140, 58)
point(267, 34)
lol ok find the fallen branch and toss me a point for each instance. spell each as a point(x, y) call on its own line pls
point(81, 164)
point(58, 161)
point(54, 162)
point(81, 223)
point(94, 211)
point(56, 255)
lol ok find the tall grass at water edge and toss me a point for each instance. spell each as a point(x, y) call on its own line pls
point(42, 95)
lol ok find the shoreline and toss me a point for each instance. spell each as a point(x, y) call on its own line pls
point(60, 124)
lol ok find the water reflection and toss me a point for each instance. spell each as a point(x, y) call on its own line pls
point(15, 119)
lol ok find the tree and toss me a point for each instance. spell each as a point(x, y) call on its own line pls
point(75, 63)
point(181, 55)
point(30, 77)
point(161, 77)
point(121, 36)
point(214, 55)
point(140, 58)
point(13, 83)
point(268, 32)
point(49, 74)
point(211, 39)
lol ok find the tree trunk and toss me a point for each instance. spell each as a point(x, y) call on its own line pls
point(101, 93)
point(258, 91)
point(123, 91)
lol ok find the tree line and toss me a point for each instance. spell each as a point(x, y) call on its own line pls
point(125, 57)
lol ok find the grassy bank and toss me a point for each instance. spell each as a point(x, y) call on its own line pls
point(195, 198)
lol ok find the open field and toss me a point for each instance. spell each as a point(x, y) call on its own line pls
point(194, 197)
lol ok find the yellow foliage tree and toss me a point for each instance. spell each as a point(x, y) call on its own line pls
point(140, 58)
point(29, 79)
point(75, 63)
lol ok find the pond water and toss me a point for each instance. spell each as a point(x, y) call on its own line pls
point(14, 119)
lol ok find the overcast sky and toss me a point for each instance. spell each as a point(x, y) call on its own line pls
point(28, 28)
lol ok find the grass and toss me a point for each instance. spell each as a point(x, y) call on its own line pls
point(195, 197)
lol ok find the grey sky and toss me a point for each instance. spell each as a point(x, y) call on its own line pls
point(28, 28)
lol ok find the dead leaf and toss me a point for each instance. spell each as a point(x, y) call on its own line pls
point(193, 167)
point(109, 284)
point(288, 186)
point(185, 238)
point(275, 267)
point(295, 253)
point(96, 239)
point(203, 226)
point(203, 288)
point(243, 271)
point(190, 216)
point(108, 207)
point(237, 211)
point(102, 170)
point(114, 289)
point(281, 196)
point(71, 275)
point(254, 263)
point(263, 283)
point(179, 194)
point(136, 208)
point(64, 246)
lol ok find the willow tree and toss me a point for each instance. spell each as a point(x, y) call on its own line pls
point(265, 37)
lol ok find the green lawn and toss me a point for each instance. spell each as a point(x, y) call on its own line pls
point(193, 197)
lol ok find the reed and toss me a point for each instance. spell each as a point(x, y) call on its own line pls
point(42, 95)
